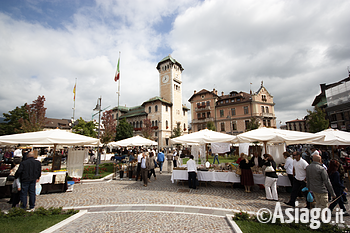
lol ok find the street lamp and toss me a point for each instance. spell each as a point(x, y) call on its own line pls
point(159, 125)
point(98, 108)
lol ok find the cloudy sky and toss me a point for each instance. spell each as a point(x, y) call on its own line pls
point(292, 46)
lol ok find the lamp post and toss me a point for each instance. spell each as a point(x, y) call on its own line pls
point(159, 124)
point(98, 108)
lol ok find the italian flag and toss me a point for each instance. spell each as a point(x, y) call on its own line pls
point(74, 90)
point(117, 73)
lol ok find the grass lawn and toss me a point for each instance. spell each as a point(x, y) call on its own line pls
point(104, 170)
point(211, 159)
point(252, 227)
point(30, 224)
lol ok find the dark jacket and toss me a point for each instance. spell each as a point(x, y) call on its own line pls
point(338, 187)
point(260, 162)
point(29, 170)
point(244, 165)
point(273, 164)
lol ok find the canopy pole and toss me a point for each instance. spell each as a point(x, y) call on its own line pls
point(53, 157)
point(265, 146)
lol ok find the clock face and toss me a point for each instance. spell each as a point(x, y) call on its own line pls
point(165, 79)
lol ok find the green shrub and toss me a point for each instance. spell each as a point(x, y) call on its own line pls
point(244, 216)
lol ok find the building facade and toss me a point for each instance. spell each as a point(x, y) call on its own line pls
point(297, 125)
point(166, 111)
point(231, 113)
point(335, 100)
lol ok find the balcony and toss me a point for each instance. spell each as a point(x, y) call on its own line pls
point(268, 115)
point(202, 108)
point(202, 120)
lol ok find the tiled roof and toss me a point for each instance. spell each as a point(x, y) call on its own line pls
point(171, 59)
point(53, 123)
point(134, 111)
point(203, 91)
point(157, 99)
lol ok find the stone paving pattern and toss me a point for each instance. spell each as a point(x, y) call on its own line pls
point(172, 200)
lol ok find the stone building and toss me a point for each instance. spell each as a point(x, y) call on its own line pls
point(232, 112)
point(165, 111)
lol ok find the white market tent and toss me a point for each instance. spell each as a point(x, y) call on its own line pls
point(50, 137)
point(202, 137)
point(272, 135)
point(333, 137)
point(133, 141)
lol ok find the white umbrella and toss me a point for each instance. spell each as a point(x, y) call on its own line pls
point(272, 135)
point(202, 137)
point(333, 137)
point(50, 137)
point(133, 141)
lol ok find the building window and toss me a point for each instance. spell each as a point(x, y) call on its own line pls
point(208, 114)
point(234, 126)
point(203, 115)
point(233, 112)
point(149, 109)
point(222, 113)
point(198, 115)
point(208, 103)
point(156, 123)
point(233, 100)
point(203, 103)
point(263, 98)
point(166, 124)
point(238, 99)
point(199, 127)
point(184, 112)
point(246, 110)
point(137, 124)
point(184, 126)
point(152, 123)
point(166, 108)
point(156, 134)
point(269, 123)
point(198, 104)
point(156, 108)
point(222, 126)
point(140, 124)
point(133, 124)
point(267, 109)
point(167, 141)
point(246, 122)
point(226, 101)
point(262, 109)
point(264, 123)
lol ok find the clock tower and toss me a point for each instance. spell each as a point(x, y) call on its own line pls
point(170, 88)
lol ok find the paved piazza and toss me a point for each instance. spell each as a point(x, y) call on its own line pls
point(127, 206)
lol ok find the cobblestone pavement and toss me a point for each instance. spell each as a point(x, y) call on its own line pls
point(138, 201)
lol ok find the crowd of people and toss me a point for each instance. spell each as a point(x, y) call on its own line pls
point(313, 173)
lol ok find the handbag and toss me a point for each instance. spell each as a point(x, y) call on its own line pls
point(10, 178)
point(269, 169)
point(238, 171)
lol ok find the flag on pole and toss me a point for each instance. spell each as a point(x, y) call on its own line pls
point(117, 73)
point(75, 86)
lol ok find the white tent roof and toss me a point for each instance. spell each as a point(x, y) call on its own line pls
point(202, 137)
point(277, 136)
point(50, 137)
point(333, 137)
point(134, 141)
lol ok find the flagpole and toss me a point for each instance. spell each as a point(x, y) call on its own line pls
point(74, 91)
point(118, 91)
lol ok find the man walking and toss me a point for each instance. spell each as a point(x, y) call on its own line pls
point(299, 172)
point(318, 182)
point(29, 172)
point(160, 160)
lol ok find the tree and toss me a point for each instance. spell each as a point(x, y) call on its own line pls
point(12, 118)
point(317, 120)
point(176, 131)
point(109, 127)
point(253, 124)
point(36, 116)
point(147, 129)
point(85, 128)
point(211, 126)
point(124, 130)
